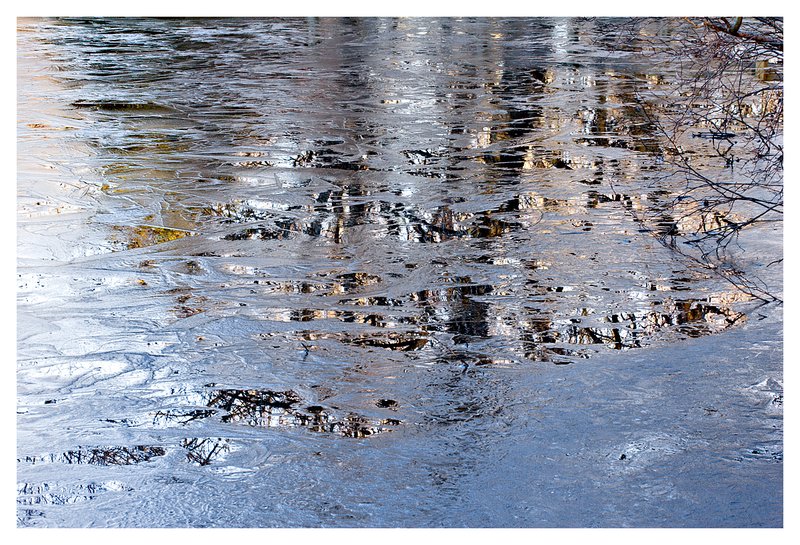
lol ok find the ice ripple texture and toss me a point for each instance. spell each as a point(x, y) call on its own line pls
point(357, 273)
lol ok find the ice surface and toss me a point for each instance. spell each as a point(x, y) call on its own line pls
point(340, 273)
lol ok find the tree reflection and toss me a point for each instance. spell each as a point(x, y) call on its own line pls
point(266, 408)
point(102, 456)
point(205, 451)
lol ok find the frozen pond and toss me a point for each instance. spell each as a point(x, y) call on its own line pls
point(349, 273)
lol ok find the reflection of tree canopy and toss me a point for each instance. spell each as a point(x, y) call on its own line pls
point(266, 408)
point(104, 456)
point(502, 128)
point(203, 451)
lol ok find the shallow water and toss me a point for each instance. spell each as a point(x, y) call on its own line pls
point(335, 272)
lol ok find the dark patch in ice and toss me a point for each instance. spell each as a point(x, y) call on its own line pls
point(326, 159)
point(100, 456)
point(352, 281)
point(118, 106)
point(403, 341)
point(180, 416)
point(183, 296)
point(626, 330)
point(767, 453)
point(267, 409)
point(379, 301)
point(336, 211)
point(142, 236)
point(204, 451)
